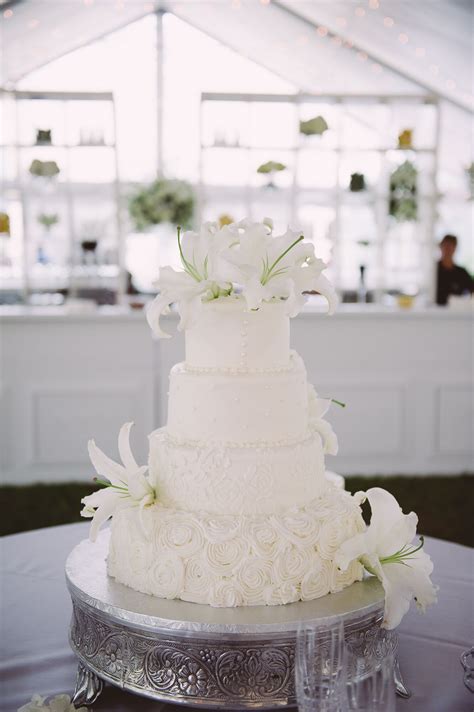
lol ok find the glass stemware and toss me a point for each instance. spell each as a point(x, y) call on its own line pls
point(319, 669)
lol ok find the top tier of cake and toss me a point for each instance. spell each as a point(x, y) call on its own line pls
point(228, 336)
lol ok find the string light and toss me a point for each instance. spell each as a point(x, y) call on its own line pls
point(265, 2)
point(341, 21)
point(420, 51)
point(348, 43)
point(302, 39)
point(388, 21)
point(322, 31)
point(362, 56)
point(359, 11)
point(236, 4)
point(337, 40)
point(450, 84)
point(33, 24)
point(403, 38)
point(88, 2)
point(374, 4)
point(7, 14)
point(377, 69)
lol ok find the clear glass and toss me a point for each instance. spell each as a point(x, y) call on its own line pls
point(319, 669)
point(372, 688)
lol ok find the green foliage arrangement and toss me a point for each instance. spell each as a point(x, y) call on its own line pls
point(403, 193)
point(164, 201)
point(47, 220)
point(271, 167)
point(314, 127)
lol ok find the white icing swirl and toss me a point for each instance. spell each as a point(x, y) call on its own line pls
point(331, 536)
point(264, 538)
point(299, 526)
point(317, 581)
point(253, 577)
point(221, 528)
point(341, 579)
point(224, 557)
point(291, 564)
point(166, 577)
point(226, 594)
point(197, 580)
point(180, 533)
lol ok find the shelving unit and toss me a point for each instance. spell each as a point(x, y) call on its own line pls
point(82, 254)
point(238, 133)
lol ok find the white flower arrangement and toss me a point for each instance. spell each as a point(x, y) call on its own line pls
point(60, 703)
point(241, 257)
point(385, 550)
point(125, 485)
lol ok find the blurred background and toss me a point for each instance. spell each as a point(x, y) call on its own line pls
point(351, 121)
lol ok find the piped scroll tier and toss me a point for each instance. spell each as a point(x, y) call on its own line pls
point(236, 480)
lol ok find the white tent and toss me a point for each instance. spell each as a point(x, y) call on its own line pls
point(317, 45)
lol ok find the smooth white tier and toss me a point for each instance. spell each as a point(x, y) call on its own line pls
point(235, 560)
point(226, 335)
point(239, 408)
point(229, 480)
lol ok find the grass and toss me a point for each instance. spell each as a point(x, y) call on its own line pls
point(444, 504)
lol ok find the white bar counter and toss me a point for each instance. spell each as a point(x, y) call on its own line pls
point(405, 375)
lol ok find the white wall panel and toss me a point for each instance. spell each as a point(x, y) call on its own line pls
point(66, 378)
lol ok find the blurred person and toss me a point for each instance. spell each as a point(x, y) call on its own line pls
point(451, 278)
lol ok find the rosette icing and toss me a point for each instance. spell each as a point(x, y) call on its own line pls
point(236, 560)
point(181, 534)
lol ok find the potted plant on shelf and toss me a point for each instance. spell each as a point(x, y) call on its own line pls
point(314, 127)
point(163, 202)
point(271, 168)
point(155, 210)
point(403, 193)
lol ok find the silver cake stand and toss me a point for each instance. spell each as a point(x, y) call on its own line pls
point(192, 654)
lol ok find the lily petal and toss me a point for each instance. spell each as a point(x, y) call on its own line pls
point(154, 310)
point(110, 501)
point(105, 466)
point(125, 451)
point(351, 549)
point(403, 583)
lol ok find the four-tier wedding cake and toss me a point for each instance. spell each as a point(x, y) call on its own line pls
point(235, 509)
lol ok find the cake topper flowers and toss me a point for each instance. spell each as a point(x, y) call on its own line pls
point(385, 549)
point(243, 257)
point(125, 485)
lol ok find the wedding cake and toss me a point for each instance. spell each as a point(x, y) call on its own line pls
point(234, 508)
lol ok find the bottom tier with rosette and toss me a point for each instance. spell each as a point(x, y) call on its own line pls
point(229, 560)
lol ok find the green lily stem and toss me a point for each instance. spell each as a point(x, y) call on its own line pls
point(333, 400)
point(104, 483)
point(268, 270)
point(189, 268)
point(406, 552)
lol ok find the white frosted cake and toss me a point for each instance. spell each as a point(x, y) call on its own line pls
point(235, 509)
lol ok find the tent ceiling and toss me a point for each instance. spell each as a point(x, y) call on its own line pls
point(364, 46)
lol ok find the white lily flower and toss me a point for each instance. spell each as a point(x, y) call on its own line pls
point(318, 407)
point(201, 279)
point(271, 267)
point(385, 549)
point(125, 484)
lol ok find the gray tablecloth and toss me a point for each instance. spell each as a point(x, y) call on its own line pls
point(36, 658)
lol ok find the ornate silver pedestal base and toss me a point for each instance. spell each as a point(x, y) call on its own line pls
point(193, 654)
